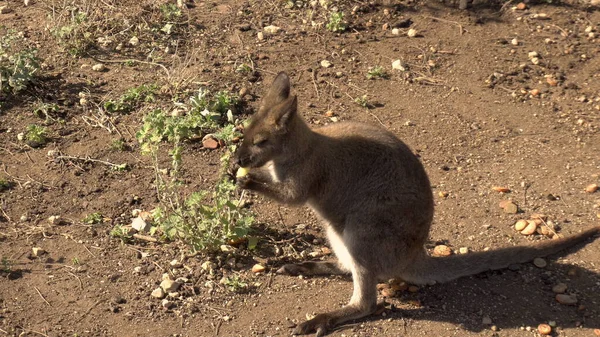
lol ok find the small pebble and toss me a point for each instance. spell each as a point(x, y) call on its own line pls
point(510, 208)
point(170, 285)
point(397, 64)
point(412, 32)
point(521, 6)
point(272, 29)
point(520, 225)
point(566, 299)
point(501, 189)
point(388, 292)
point(463, 250)
point(442, 250)
point(260, 36)
point(530, 228)
point(560, 288)
point(514, 42)
point(5, 10)
point(175, 264)
point(98, 67)
point(591, 188)
point(325, 64)
point(413, 289)
point(396, 31)
point(258, 268)
point(134, 41)
point(539, 262)
point(158, 293)
point(37, 251)
point(544, 329)
point(167, 304)
point(535, 60)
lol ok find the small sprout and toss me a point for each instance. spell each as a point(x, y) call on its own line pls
point(336, 22)
point(35, 136)
point(377, 72)
point(93, 218)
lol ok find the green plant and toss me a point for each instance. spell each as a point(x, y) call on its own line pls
point(18, 65)
point(203, 219)
point(6, 265)
point(235, 284)
point(119, 231)
point(118, 145)
point(45, 110)
point(244, 68)
point(75, 261)
point(205, 113)
point(336, 22)
point(363, 101)
point(93, 218)
point(377, 72)
point(170, 11)
point(75, 33)
point(5, 185)
point(35, 136)
point(131, 99)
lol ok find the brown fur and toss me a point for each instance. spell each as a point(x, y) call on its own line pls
point(373, 195)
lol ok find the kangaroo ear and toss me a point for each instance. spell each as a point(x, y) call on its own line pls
point(279, 91)
point(286, 111)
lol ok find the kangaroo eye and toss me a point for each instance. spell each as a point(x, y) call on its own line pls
point(260, 140)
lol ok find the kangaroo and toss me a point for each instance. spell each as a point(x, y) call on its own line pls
point(373, 196)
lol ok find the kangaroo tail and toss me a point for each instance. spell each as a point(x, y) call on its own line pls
point(428, 269)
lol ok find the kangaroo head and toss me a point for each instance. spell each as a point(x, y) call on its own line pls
point(266, 136)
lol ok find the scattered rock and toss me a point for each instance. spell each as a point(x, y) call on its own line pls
point(175, 264)
point(539, 262)
point(260, 36)
point(397, 64)
point(486, 320)
point(501, 189)
point(208, 142)
point(396, 31)
point(442, 250)
point(243, 91)
point(463, 250)
point(412, 32)
point(134, 41)
point(510, 207)
point(167, 304)
point(544, 329)
point(398, 285)
point(520, 225)
point(272, 29)
point(530, 228)
point(559, 288)
point(521, 6)
point(140, 225)
point(244, 27)
point(55, 220)
point(5, 10)
point(99, 67)
point(514, 42)
point(258, 268)
point(413, 289)
point(591, 188)
point(37, 252)
point(325, 64)
point(566, 299)
point(535, 60)
point(227, 248)
point(170, 285)
point(388, 292)
point(158, 293)
point(443, 194)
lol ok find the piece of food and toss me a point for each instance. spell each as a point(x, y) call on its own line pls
point(241, 172)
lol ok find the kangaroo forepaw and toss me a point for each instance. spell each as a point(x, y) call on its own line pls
point(320, 324)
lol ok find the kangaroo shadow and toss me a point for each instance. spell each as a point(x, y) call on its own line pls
point(512, 298)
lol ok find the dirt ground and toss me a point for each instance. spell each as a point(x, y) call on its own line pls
point(470, 100)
